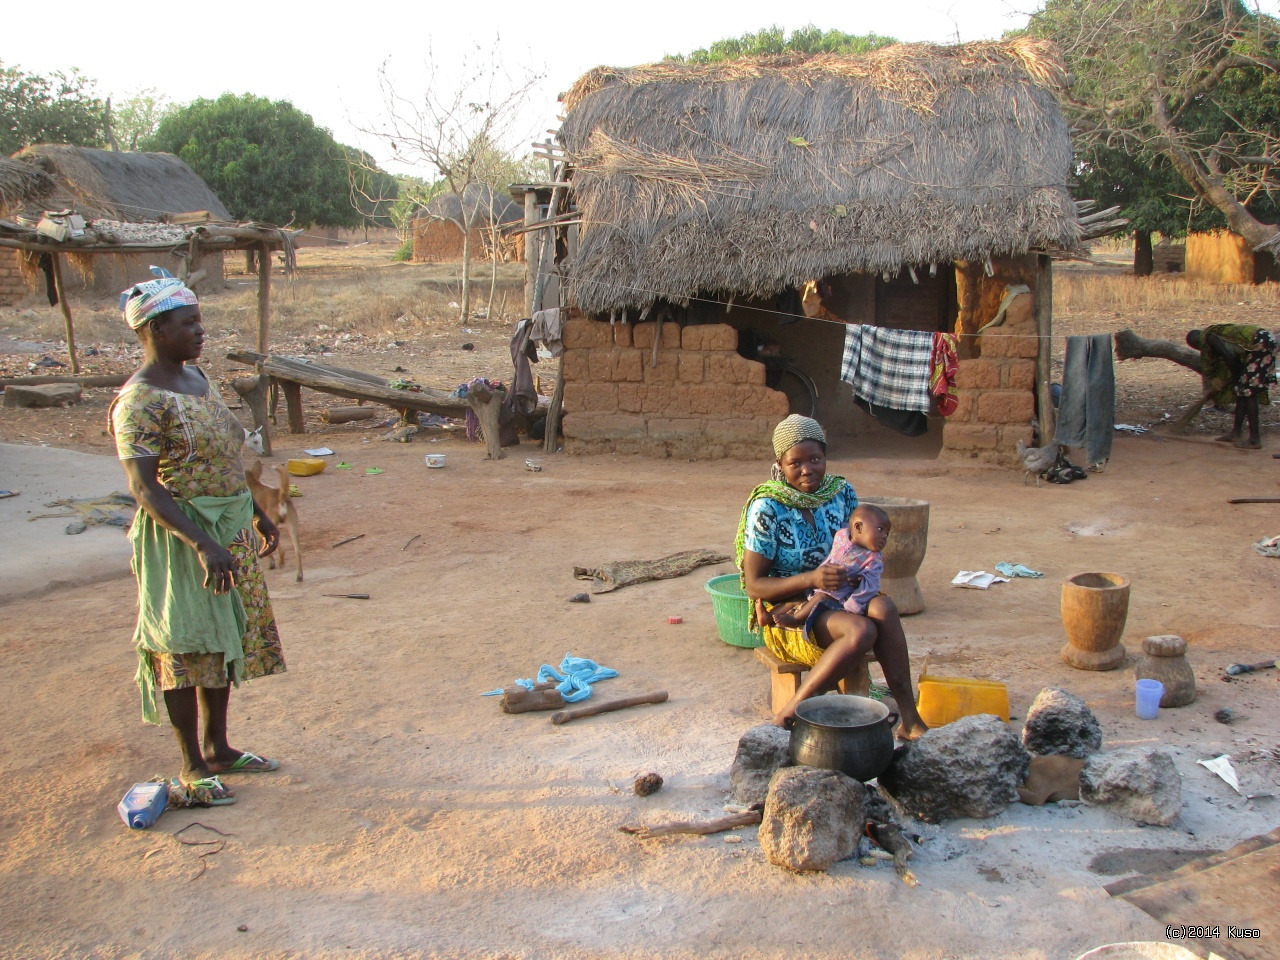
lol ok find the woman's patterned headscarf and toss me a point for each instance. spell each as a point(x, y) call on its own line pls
point(146, 300)
point(796, 429)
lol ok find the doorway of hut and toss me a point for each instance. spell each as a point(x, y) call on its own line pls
point(806, 329)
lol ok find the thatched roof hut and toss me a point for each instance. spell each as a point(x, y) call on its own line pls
point(750, 177)
point(21, 183)
point(129, 187)
point(438, 226)
point(479, 206)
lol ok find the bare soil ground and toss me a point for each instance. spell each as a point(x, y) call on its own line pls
point(411, 818)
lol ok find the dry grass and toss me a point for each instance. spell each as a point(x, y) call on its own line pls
point(1079, 293)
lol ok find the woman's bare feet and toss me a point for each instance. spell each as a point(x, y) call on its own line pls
point(1228, 438)
point(1249, 444)
point(914, 732)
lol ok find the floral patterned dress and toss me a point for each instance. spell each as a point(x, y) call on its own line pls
point(198, 441)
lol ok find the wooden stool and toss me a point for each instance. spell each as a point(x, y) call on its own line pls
point(785, 679)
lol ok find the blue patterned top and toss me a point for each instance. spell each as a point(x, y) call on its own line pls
point(782, 533)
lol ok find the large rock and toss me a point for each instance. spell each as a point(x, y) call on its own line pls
point(1140, 784)
point(41, 395)
point(812, 818)
point(761, 751)
point(970, 768)
point(1060, 722)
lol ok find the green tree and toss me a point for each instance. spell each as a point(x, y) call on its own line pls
point(1186, 87)
point(136, 118)
point(371, 190)
point(773, 40)
point(59, 108)
point(265, 160)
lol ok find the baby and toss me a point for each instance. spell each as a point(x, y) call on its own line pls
point(859, 549)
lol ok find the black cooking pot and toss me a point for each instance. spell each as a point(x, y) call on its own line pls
point(842, 732)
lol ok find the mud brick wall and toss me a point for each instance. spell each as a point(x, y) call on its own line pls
point(996, 390)
point(13, 285)
point(701, 399)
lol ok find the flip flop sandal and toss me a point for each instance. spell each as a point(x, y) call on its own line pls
point(206, 792)
point(251, 763)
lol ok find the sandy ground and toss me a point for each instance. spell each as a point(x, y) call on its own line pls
point(411, 818)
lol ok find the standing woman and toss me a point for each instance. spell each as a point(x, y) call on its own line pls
point(204, 619)
point(1239, 360)
point(785, 534)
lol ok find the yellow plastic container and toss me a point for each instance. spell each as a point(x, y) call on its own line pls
point(946, 699)
point(305, 466)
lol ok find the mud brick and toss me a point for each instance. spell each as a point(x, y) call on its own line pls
point(731, 368)
point(642, 335)
point(719, 336)
point(701, 399)
point(1006, 406)
point(591, 397)
point(575, 366)
point(693, 366)
point(1010, 434)
point(1018, 341)
point(622, 335)
point(1020, 374)
point(978, 375)
point(601, 364)
point(631, 397)
point(691, 337)
point(659, 398)
point(667, 369)
point(628, 366)
point(739, 429)
point(966, 406)
point(1021, 311)
point(586, 333)
point(604, 426)
point(752, 371)
point(971, 436)
point(675, 428)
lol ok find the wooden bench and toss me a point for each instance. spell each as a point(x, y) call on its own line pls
point(785, 679)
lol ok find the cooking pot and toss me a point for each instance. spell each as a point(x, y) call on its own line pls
point(842, 732)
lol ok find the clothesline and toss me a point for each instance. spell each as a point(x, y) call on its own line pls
point(795, 316)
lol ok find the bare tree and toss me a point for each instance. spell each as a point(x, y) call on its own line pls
point(451, 127)
point(1180, 78)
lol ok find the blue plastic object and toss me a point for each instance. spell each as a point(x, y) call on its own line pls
point(143, 804)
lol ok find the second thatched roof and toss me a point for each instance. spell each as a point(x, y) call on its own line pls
point(480, 206)
point(129, 187)
point(753, 176)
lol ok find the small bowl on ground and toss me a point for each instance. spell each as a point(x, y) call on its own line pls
point(434, 461)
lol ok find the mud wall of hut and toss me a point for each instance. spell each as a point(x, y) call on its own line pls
point(700, 399)
point(1219, 256)
point(13, 283)
point(703, 399)
point(440, 241)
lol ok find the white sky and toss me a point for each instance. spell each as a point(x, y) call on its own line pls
point(324, 57)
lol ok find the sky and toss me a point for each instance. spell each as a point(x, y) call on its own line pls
point(325, 59)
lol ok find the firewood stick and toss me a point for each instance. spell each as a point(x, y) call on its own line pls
point(1255, 500)
point(719, 825)
point(564, 716)
point(543, 696)
point(889, 836)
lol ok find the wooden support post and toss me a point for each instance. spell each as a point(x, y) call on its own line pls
point(532, 246)
point(253, 390)
point(552, 431)
point(264, 296)
point(293, 404)
point(487, 404)
point(61, 291)
point(1044, 356)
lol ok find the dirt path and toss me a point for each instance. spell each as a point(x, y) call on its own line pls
point(411, 818)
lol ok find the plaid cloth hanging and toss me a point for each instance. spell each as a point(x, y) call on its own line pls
point(889, 368)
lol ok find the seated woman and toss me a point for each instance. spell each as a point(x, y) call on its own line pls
point(785, 534)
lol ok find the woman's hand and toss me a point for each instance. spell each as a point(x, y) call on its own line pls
point(268, 532)
point(830, 576)
point(219, 566)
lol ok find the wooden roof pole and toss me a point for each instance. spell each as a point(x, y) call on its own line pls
point(264, 295)
point(61, 291)
point(1044, 355)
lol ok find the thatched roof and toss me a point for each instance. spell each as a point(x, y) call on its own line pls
point(479, 199)
point(130, 187)
point(753, 176)
point(20, 184)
